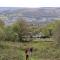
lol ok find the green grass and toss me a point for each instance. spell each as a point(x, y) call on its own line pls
point(42, 50)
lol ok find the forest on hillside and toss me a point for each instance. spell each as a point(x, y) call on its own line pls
point(21, 30)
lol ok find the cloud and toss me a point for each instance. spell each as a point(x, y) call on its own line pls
point(29, 3)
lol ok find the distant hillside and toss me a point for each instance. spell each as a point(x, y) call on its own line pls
point(34, 15)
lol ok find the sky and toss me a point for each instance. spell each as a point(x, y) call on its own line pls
point(30, 3)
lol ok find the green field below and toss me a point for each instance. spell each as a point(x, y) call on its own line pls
point(42, 50)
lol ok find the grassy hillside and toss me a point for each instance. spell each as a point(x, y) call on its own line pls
point(42, 50)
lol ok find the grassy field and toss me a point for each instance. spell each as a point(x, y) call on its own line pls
point(42, 50)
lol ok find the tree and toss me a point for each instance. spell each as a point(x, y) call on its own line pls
point(2, 23)
point(57, 33)
point(20, 27)
point(48, 30)
point(10, 35)
point(2, 32)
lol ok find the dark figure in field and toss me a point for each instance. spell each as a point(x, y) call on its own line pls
point(27, 54)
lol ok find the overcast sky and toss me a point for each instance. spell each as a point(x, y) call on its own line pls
point(30, 3)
